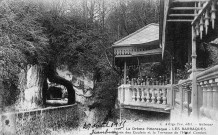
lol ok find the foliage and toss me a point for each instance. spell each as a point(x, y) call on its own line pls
point(183, 74)
point(32, 33)
point(83, 49)
point(131, 15)
point(106, 90)
point(213, 51)
point(22, 41)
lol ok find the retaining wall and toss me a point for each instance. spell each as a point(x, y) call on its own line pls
point(39, 122)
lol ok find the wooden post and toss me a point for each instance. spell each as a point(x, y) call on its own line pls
point(170, 90)
point(171, 73)
point(124, 75)
point(181, 98)
point(194, 81)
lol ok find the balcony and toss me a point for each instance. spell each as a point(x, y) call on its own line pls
point(181, 104)
point(207, 82)
point(145, 97)
point(206, 100)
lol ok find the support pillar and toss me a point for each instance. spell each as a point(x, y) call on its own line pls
point(124, 74)
point(170, 92)
point(171, 72)
point(194, 81)
point(181, 98)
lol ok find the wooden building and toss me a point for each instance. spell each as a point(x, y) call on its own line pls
point(133, 51)
point(188, 24)
point(185, 26)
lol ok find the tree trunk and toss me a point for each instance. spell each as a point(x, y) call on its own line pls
point(53, 77)
point(1, 95)
point(44, 91)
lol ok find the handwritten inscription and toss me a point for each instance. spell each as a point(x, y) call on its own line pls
point(117, 125)
point(167, 128)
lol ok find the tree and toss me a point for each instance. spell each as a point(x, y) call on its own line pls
point(22, 42)
point(132, 15)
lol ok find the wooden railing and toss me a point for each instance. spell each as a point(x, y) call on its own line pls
point(38, 122)
point(205, 15)
point(208, 86)
point(153, 96)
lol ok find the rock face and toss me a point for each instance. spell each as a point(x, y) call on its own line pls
point(83, 84)
point(30, 85)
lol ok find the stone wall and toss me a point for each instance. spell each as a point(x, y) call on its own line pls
point(142, 115)
point(39, 122)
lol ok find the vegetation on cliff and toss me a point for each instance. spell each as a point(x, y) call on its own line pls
point(78, 35)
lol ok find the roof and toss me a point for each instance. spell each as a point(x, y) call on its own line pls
point(147, 35)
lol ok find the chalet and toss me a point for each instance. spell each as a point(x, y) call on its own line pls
point(185, 27)
point(131, 53)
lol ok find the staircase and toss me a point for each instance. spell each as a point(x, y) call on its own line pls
point(185, 10)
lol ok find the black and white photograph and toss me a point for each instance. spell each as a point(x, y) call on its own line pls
point(108, 67)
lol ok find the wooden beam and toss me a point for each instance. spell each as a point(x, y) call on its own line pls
point(183, 15)
point(191, 1)
point(194, 95)
point(186, 8)
point(179, 20)
point(201, 12)
point(171, 71)
point(165, 12)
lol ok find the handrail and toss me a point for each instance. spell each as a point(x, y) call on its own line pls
point(42, 109)
point(187, 81)
point(208, 74)
point(183, 83)
point(201, 12)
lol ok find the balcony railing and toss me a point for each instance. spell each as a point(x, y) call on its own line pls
point(208, 86)
point(182, 98)
point(207, 95)
point(145, 97)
